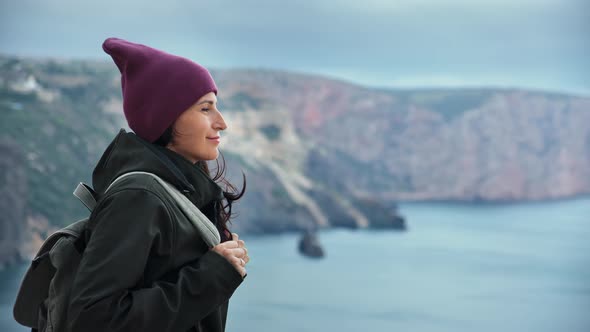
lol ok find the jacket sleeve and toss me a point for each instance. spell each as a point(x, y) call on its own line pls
point(129, 225)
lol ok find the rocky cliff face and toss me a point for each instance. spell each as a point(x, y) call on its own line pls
point(13, 187)
point(473, 145)
point(316, 152)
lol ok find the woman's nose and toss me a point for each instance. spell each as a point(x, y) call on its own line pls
point(220, 122)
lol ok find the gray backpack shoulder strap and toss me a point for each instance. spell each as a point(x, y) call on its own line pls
point(86, 195)
point(206, 228)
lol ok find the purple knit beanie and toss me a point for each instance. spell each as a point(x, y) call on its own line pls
point(157, 86)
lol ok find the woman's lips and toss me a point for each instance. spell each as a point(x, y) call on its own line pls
point(215, 139)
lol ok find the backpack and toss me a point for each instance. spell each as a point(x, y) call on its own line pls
point(43, 297)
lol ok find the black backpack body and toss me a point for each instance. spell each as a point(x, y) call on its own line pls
point(44, 292)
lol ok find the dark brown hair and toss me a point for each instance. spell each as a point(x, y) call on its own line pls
point(230, 192)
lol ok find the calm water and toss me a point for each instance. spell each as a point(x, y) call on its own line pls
point(459, 268)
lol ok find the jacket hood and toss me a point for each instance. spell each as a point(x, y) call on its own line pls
point(128, 153)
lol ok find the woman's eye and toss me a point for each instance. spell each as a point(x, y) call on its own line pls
point(205, 109)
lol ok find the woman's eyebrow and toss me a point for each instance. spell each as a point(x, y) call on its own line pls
point(206, 102)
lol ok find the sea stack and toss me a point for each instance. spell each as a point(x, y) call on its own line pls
point(309, 245)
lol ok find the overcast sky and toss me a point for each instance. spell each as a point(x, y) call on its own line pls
point(537, 44)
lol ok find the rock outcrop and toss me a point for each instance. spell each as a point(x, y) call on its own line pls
point(309, 245)
point(13, 203)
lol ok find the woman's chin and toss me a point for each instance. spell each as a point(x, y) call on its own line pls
point(211, 156)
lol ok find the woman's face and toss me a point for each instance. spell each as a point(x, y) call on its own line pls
point(196, 131)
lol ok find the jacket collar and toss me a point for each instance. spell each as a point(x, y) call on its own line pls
point(128, 152)
point(204, 188)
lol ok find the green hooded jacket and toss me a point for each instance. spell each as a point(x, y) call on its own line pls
point(145, 267)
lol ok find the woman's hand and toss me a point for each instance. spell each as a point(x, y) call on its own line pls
point(235, 252)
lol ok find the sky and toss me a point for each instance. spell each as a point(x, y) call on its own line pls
point(531, 44)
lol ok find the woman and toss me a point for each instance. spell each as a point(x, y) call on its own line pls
point(145, 266)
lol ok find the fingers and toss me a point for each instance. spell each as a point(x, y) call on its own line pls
point(239, 261)
point(232, 249)
point(235, 252)
point(240, 265)
point(236, 237)
point(229, 244)
point(240, 254)
point(236, 240)
point(242, 271)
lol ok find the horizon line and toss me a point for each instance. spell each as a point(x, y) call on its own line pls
point(394, 86)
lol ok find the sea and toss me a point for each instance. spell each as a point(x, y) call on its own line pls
point(458, 267)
